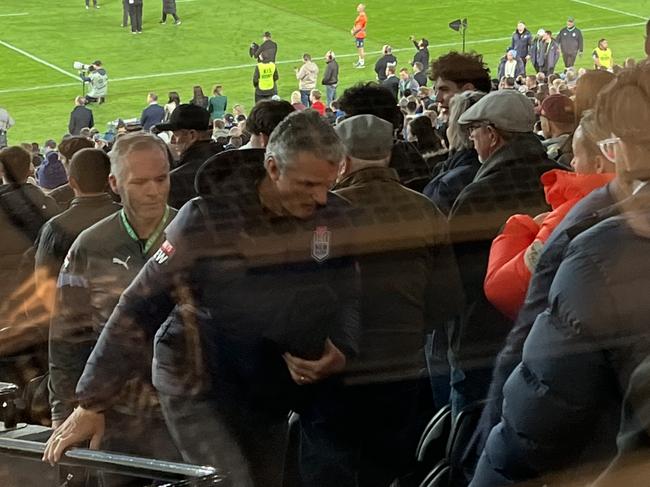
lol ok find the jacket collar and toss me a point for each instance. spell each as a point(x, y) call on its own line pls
point(522, 148)
point(369, 174)
point(94, 200)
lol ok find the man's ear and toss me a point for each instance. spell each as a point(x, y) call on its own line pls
point(272, 168)
point(468, 87)
point(74, 184)
point(112, 182)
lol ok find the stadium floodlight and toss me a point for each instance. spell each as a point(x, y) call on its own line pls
point(459, 26)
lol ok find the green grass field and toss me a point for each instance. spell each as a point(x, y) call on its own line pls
point(39, 41)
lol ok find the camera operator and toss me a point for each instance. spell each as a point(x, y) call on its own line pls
point(266, 52)
point(98, 80)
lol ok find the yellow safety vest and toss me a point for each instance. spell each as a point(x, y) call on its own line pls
point(605, 57)
point(267, 70)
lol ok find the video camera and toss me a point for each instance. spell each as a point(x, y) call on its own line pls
point(253, 49)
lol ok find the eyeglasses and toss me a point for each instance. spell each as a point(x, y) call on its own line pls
point(608, 147)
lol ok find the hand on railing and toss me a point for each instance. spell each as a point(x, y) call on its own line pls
point(81, 425)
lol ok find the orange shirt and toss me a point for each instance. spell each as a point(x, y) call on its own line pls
point(360, 25)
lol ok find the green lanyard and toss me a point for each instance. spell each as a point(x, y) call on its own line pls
point(154, 236)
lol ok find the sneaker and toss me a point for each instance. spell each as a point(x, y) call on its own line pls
point(96, 6)
point(133, 32)
point(139, 32)
point(162, 22)
point(87, 7)
point(359, 65)
point(178, 22)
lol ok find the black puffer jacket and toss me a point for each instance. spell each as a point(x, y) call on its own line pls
point(182, 178)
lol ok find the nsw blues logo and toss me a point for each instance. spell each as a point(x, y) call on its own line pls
point(320, 244)
point(165, 251)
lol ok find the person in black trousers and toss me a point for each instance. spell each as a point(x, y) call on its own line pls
point(125, 13)
point(169, 7)
point(135, 13)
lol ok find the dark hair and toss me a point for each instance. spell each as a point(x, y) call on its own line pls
point(422, 128)
point(15, 162)
point(68, 147)
point(306, 57)
point(462, 69)
point(509, 81)
point(198, 93)
point(371, 99)
point(266, 115)
point(174, 98)
point(90, 168)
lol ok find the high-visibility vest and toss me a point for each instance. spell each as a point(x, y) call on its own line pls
point(267, 70)
point(605, 57)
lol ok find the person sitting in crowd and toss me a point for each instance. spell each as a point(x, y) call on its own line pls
point(192, 139)
point(407, 85)
point(316, 103)
point(373, 99)
point(63, 195)
point(516, 251)
point(512, 160)
point(462, 164)
point(51, 174)
point(558, 122)
point(88, 174)
point(218, 103)
point(24, 208)
point(426, 140)
point(263, 119)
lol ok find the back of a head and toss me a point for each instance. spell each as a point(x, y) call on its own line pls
point(15, 163)
point(174, 98)
point(587, 88)
point(306, 57)
point(457, 134)
point(68, 147)
point(623, 109)
point(462, 68)
point(371, 99)
point(387, 50)
point(422, 129)
point(304, 131)
point(198, 92)
point(153, 97)
point(90, 168)
point(266, 115)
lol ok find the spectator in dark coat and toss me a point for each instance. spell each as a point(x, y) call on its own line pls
point(24, 209)
point(199, 99)
point(512, 160)
point(331, 77)
point(267, 51)
point(462, 163)
point(384, 61)
point(420, 74)
point(422, 54)
point(153, 114)
point(80, 117)
point(558, 439)
point(511, 66)
point(88, 171)
point(51, 174)
point(391, 83)
point(169, 8)
point(192, 137)
point(521, 43)
point(68, 147)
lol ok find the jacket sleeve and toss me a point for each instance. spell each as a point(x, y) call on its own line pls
point(71, 124)
point(548, 409)
point(346, 283)
point(507, 275)
point(143, 307)
point(72, 333)
point(256, 77)
point(580, 41)
point(92, 120)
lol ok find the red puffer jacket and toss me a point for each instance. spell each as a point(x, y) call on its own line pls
point(515, 252)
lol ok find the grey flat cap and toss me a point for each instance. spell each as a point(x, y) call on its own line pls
point(507, 110)
point(366, 137)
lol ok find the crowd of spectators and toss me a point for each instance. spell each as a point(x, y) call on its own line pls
point(177, 288)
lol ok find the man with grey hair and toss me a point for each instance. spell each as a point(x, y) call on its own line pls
point(410, 287)
point(258, 299)
point(508, 182)
point(100, 265)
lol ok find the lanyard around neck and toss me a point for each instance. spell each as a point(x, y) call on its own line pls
point(154, 236)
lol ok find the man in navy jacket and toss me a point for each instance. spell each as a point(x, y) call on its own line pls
point(153, 114)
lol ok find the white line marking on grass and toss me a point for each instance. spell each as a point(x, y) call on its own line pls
point(242, 66)
point(615, 10)
point(37, 59)
point(14, 15)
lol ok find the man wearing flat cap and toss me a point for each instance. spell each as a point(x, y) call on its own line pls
point(192, 140)
point(407, 274)
point(508, 182)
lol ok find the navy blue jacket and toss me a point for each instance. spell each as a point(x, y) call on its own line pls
point(456, 173)
point(562, 404)
point(521, 43)
point(231, 289)
point(152, 115)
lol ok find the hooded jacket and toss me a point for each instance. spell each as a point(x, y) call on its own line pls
point(562, 403)
point(307, 76)
point(515, 253)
